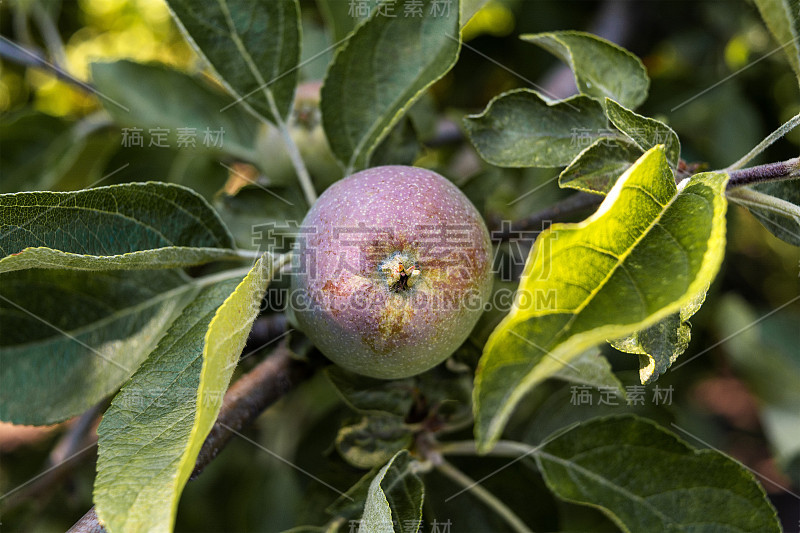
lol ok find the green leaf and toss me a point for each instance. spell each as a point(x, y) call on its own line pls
point(772, 375)
point(369, 85)
point(602, 69)
point(370, 395)
point(71, 338)
point(150, 436)
point(659, 345)
point(395, 497)
point(775, 205)
point(597, 168)
point(252, 45)
point(646, 479)
point(186, 111)
point(646, 253)
point(130, 226)
point(783, 20)
point(644, 132)
point(373, 441)
point(591, 368)
point(519, 128)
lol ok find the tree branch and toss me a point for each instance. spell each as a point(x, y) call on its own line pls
point(781, 171)
point(576, 203)
point(244, 401)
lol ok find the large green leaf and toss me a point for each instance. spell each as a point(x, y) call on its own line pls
point(646, 479)
point(155, 427)
point(253, 45)
point(597, 168)
point(602, 69)
point(519, 128)
point(71, 338)
point(384, 67)
point(129, 226)
point(646, 253)
point(394, 501)
point(183, 112)
point(783, 20)
point(775, 205)
point(645, 132)
point(370, 395)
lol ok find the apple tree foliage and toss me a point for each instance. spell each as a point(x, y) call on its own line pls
point(101, 297)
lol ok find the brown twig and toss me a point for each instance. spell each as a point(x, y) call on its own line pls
point(576, 203)
point(244, 401)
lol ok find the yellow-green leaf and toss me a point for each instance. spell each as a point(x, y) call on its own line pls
point(153, 431)
point(646, 253)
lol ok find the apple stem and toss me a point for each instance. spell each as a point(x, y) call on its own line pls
point(294, 153)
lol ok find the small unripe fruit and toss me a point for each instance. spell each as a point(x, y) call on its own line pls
point(394, 268)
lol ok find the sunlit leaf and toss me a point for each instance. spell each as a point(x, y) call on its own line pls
point(603, 279)
point(155, 427)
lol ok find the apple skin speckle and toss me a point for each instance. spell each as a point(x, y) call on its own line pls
point(355, 237)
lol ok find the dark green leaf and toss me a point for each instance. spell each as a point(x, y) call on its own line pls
point(373, 441)
point(646, 479)
point(395, 498)
point(659, 345)
point(645, 132)
point(370, 395)
point(153, 431)
point(521, 129)
point(129, 226)
point(783, 20)
point(71, 338)
point(183, 112)
point(603, 278)
point(602, 69)
point(597, 168)
point(775, 205)
point(253, 45)
point(369, 85)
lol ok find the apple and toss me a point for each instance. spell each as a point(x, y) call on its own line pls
point(393, 269)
